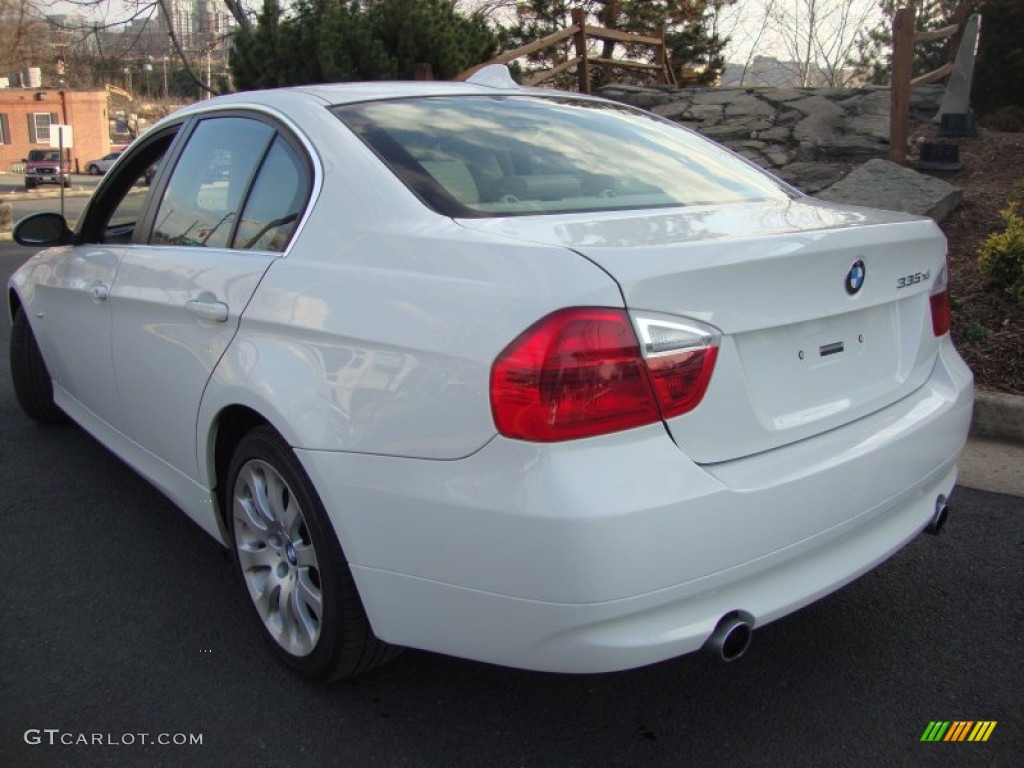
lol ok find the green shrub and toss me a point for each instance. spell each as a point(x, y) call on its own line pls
point(972, 333)
point(1002, 254)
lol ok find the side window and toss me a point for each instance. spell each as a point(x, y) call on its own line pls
point(276, 202)
point(206, 187)
point(127, 212)
point(117, 208)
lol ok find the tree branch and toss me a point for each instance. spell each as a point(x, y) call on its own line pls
point(238, 13)
point(181, 53)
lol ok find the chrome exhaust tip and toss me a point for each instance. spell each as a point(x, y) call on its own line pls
point(730, 639)
point(939, 518)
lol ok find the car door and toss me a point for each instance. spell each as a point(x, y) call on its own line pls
point(177, 300)
point(72, 317)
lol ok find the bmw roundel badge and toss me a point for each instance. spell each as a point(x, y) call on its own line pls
point(855, 277)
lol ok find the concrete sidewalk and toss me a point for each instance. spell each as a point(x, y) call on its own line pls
point(994, 457)
point(44, 191)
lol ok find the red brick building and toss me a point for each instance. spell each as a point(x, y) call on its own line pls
point(26, 115)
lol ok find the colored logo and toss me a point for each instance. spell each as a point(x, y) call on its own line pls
point(958, 730)
point(855, 277)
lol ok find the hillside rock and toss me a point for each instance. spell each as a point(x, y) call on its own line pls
point(881, 184)
point(810, 137)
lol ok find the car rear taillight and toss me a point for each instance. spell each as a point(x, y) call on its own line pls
point(580, 372)
point(680, 357)
point(939, 300)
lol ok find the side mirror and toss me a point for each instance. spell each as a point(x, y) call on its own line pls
point(42, 230)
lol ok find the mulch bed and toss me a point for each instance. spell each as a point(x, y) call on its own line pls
point(988, 326)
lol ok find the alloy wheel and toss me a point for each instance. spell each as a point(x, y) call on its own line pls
point(277, 558)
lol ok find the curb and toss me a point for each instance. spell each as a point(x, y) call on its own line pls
point(37, 194)
point(998, 416)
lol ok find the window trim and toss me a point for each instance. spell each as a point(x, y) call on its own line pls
point(183, 125)
point(304, 160)
point(280, 126)
point(87, 221)
point(33, 126)
point(245, 193)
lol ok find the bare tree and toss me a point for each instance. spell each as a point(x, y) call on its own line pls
point(813, 39)
point(22, 34)
point(497, 10)
point(820, 36)
point(101, 15)
point(745, 36)
point(181, 53)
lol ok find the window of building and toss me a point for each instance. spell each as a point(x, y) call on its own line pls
point(39, 126)
point(5, 130)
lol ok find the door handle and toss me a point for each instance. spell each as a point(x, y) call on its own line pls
point(214, 311)
point(99, 291)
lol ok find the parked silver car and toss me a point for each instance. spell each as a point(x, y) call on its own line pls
point(101, 166)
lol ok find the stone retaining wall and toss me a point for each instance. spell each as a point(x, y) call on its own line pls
point(809, 136)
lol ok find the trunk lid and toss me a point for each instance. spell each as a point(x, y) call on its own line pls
point(800, 354)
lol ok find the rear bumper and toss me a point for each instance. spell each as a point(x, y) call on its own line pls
point(616, 552)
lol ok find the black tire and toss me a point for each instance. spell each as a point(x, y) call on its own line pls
point(32, 383)
point(346, 645)
point(29, 184)
point(93, 170)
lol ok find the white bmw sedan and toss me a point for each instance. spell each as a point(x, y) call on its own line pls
point(513, 375)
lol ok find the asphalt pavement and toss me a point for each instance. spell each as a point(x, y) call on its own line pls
point(120, 618)
point(45, 197)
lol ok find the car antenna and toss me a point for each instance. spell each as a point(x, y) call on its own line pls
point(493, 76)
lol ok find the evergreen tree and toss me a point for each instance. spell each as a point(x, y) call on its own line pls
point(999, 71)
point(342, 40)
point(431, 32)
point(348, 48)
point(875, 47)
point(254, 57)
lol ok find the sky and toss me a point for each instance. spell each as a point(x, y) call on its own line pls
point(756, 27)
point(778, 27)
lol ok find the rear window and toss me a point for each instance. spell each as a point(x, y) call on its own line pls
point(523, 155)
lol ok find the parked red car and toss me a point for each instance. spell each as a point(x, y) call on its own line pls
point(44, 167)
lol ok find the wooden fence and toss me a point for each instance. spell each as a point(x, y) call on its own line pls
point(581, 32)
point(904, 38)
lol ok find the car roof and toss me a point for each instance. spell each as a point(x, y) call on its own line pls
point(295, 100)
point(347, 93)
